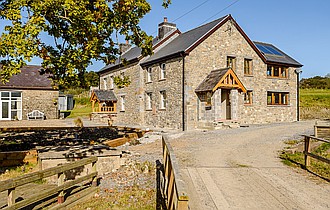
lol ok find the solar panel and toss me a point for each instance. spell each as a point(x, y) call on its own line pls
point(268, 49)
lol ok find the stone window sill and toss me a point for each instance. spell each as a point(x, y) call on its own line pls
point(279, 105)
point(248, 75)
point(163, 79)
point(148, 109)
point(248, 104)
point(162, 109)
point(148, 82)
point(280, 78)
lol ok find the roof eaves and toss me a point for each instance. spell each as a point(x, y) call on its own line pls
point(167, 57)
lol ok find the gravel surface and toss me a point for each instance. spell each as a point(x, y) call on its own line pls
point(240, 169)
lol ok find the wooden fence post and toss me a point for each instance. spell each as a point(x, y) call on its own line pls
point(11, 196)
point(307, 150)
point(60, 181)
point(94, 179)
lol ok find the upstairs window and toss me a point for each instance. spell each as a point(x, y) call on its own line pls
point(105, 83)
point(248, 97)
point(247, 66)
point(162, 99)
point(148, 101)
point(277, 71)
point(111, 82)
point(277, 98)
point(162, 71)
point(231, 62)
point(149, 75)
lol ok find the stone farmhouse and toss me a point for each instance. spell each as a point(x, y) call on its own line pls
point(207, 76)
point(26, 92)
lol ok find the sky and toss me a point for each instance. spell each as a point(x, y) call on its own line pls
point(300, 28)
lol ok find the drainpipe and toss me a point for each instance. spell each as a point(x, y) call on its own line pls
point(298, 71)
point(183, 94)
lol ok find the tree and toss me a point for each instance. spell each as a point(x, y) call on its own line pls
point(80, 30)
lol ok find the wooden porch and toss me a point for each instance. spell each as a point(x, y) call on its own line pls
point(103, 101)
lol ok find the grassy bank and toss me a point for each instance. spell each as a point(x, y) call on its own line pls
point(315, 103)
point(297, 158)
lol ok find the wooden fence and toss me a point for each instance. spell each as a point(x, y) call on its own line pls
point(171, 192)
point(307, 151)
point(11, 185)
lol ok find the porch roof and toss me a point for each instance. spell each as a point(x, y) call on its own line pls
point(103, 95)
point(223, 78)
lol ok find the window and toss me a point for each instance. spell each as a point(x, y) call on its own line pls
point(105, 83)
point(277, 98)
point(277, 71)
point(111, 82)
point(231, 62)
point(148, 101)
point(11, 105)
point(162, 99)
point(248, 97)
point(162, 71)
point(247, 66)
point(149, 78)
point(122, 103)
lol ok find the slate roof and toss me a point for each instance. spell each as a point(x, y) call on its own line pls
point(29, 78)
point(105, 95)
point(211, 80)
point(285, 59)
point(184, 41)
point(133, 53)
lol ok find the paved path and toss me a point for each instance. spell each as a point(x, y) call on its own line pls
point(240, 169)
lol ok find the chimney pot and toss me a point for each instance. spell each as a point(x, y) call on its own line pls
point(165, 19)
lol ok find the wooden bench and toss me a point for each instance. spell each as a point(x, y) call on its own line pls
point(36, 115)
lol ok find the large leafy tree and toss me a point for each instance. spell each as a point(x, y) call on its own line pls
point(68, 34)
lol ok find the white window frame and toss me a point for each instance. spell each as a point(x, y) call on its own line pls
point(9, 100)
point(111, 82)
point(122, 103)
point(162, 71)
point(105, 83)
point(162, 102)
point(148, 101)
point(149, 75)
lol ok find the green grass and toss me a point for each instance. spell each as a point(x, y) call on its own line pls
point(15, 171)
point(81, 111)
point(298, 160)
point(83, 106)
point(315, 98)
point(315, 103)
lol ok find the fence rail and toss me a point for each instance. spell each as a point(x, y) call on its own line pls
point(307, 151)
point(171, 193)
point(11, 184)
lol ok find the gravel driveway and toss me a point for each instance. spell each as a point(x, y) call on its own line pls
point(240, 169)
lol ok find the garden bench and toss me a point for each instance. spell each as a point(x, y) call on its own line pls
point(36, 115)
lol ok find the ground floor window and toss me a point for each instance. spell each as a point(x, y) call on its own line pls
point(162, 99)
point(122, 103)
point(248, 96)
point(148, 101)
point(277, 98)
point(11, 105)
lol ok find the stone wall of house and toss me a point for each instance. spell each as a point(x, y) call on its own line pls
point(133, 110)
point(42, 100)
point(171, 116)
point(212, 54)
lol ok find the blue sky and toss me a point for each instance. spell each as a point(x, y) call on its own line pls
point(301, 28)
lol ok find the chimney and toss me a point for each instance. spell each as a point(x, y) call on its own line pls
point(165, 27)
point(123, 47)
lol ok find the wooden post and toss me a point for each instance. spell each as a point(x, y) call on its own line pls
point(94, 179)
point(307, 150)
point(60, 181)
point(11, 196)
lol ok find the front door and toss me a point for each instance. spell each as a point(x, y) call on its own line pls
point(225, 104)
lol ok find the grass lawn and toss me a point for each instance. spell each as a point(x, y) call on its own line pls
point(314, 103)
